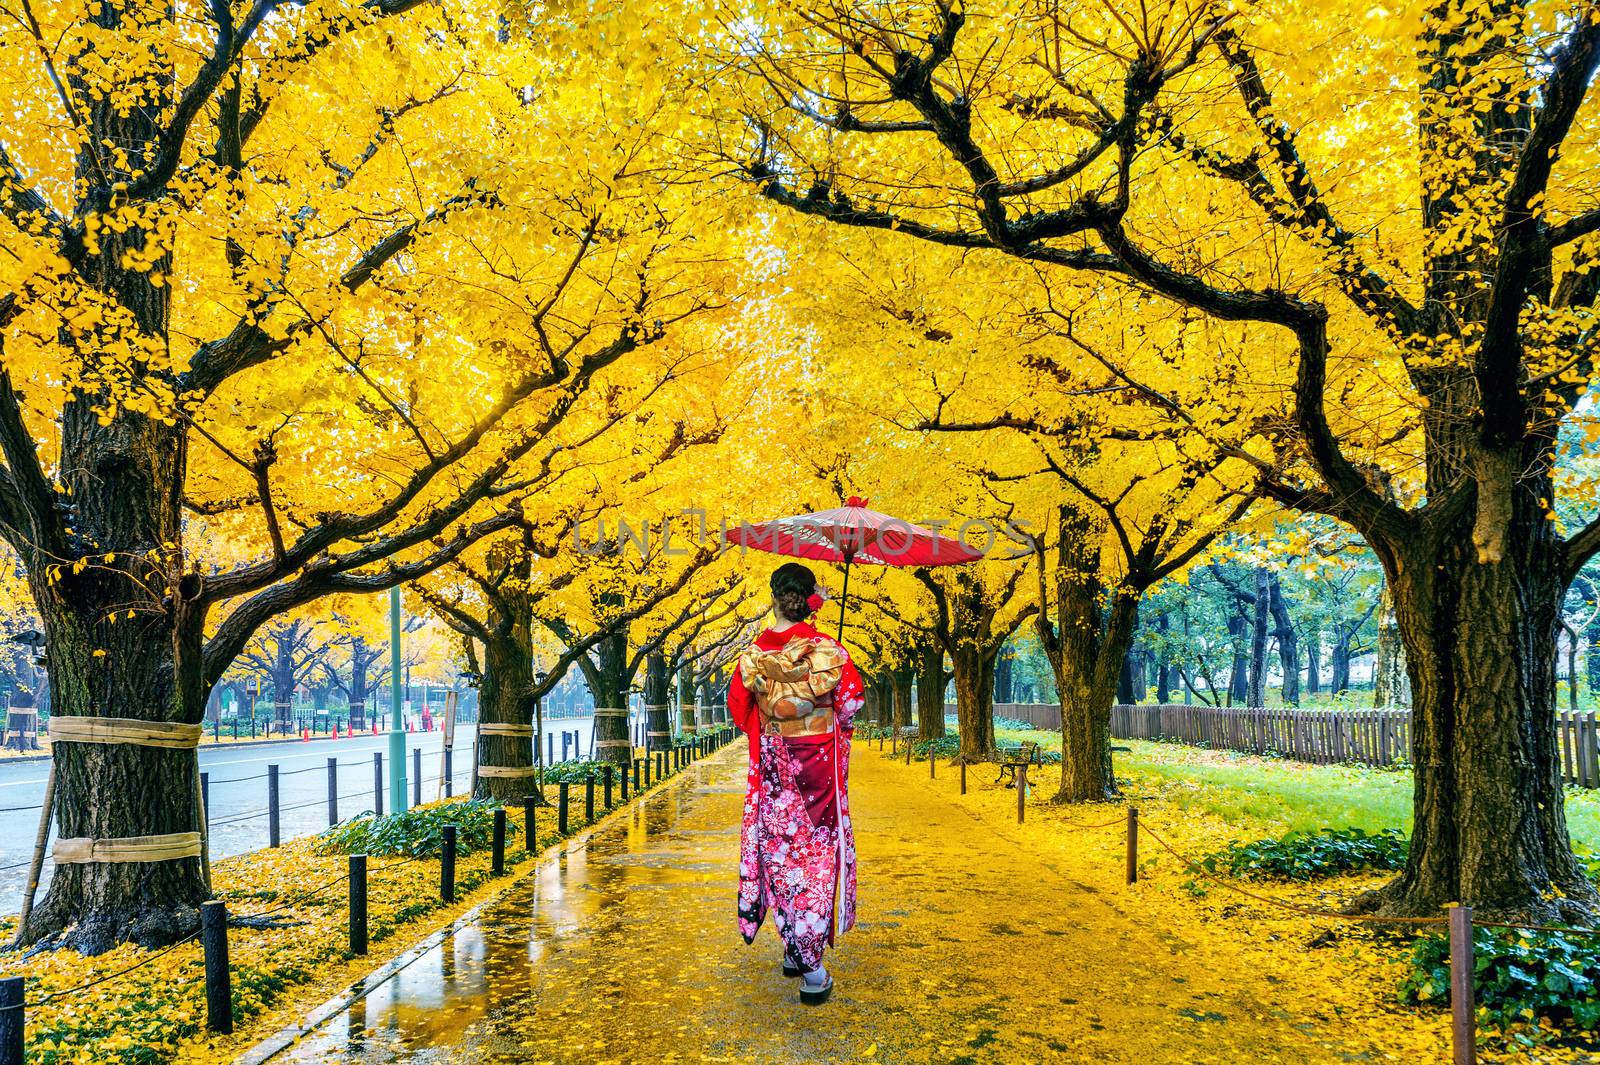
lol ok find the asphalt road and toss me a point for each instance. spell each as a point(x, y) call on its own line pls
point(237, 786)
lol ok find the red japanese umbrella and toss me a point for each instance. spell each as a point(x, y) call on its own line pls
point(852, 533)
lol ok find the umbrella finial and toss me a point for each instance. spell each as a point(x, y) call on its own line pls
point(855, 501)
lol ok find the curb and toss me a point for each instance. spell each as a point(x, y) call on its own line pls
point(288, 1036)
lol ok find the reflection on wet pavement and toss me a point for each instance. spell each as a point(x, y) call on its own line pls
point(532, 949)
point(971, 948)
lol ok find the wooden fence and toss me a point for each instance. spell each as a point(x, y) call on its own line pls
point(1367, 737)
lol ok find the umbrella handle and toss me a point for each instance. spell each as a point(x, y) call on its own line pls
point(843, 595)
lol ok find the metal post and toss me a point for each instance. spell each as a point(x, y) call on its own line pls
point(566, 744)
point(1133, 844)
point(908, 751)
point(963, 776)
point(377, 783)
point(416, 771)
point(646, 761)
point(1022, 790)
point(561, 809)
point(530, 829)
point(449, 773)
point(1463, 1029)
point(205, 798)
point(272, 806)
point(358, 904)
point(11, 1020)
point(214, 943)
point(550, 746)
point(498, 862)
point(930, 761)
point(397, 725)
point(624, 776)
point(447, 865)
point(607, 772)
point(588, 799)
point(333, 792)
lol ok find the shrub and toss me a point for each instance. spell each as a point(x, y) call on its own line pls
point(1521, 979)
point(1309, 855)
point(417, 833)
point(577, 771)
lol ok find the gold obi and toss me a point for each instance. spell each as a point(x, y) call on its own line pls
point(817, 723)
point(794, 686)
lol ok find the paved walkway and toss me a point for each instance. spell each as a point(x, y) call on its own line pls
point(968, 950)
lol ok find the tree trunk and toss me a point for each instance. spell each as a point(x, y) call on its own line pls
point(1087, 647)
point(1239, 672)
point(1256, 692)
point(1340, 681)
point(930, 691)
point(1314, 661)
point(1127, 682)
point(1004, 670)
point(1489, 823)
point(974, 669)
point(1288, 644)
point(1386, 668)
point(503, 700)
point(685, 689)
point(123, 481)
point(904, 681)
point(605, 669)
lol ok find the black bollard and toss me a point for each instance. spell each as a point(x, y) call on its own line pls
point(214, 943)
point(205, 798)
point(333, 792)
point(566, 744)
point(498, 862)
point(358, 904)
point(449, 774)
point(561, 809)
point(447, 865)
point(930, 761)
point(588, 799)
point(272, 806)
point(607, 772)
point(963, 778)
point(550, 747)
point(377, 783)
point(646, 761)
point(530, 825)
point(11, 1020)
point(416, 773)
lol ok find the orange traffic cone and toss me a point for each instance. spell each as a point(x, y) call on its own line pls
point(305, 735)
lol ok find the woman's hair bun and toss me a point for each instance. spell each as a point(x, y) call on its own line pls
point(793, 584)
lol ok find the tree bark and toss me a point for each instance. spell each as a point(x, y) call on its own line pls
point(1288, 643)
point(1004, 670)
point(1489, 821)
point(904, 682)
point(931, 681)
point(1087, 647)
point(1313, 661)
point(1256, 693)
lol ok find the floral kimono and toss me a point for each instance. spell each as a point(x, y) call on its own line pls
point(795, 694)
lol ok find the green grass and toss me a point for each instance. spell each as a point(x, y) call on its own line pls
point(1289, 796)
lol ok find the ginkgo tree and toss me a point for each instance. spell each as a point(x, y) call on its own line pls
point(1393, 212)
point(280, 322)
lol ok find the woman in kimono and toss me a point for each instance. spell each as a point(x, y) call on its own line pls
point(795, 693)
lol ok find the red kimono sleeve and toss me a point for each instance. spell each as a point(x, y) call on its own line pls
point(742, 705)
point(849, 697)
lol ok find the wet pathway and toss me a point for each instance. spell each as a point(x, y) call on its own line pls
point(969, 949)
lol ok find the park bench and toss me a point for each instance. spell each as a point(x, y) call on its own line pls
point(1014, 758)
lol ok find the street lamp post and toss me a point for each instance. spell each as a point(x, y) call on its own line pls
point(397, 726)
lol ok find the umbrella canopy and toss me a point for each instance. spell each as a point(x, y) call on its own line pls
point(852, 533)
